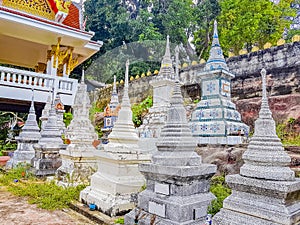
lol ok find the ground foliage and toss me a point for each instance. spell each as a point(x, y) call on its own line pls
point(46, 195)
point(289, 132)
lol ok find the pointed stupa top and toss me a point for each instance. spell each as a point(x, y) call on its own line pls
point(114, 101)
point(216, 60)
point(81, 131)
point(166, 69)
point(30, 129)
point(176, 146)
point(51, 134)
point(45, 112)
point(123, 130)
point(265, 157)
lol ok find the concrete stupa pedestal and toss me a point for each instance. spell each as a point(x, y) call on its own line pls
point(78, 159)
point(177, 181)
point(115, 185)
point(266, 191)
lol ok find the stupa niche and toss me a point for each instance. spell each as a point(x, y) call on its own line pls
point(59, 106)
point(266, 190)
point(118, 178)
point(215, 119)
point(78, 160)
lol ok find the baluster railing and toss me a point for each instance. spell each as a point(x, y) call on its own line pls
point(2, 75)
point(14, 78)
point(8, 77)
point(19, 78)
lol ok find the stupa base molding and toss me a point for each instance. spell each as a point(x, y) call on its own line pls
point(261, 202)
point(112, 205)
point(170, 210)
point(76, 169)
point(229, 140)
point(20, 158)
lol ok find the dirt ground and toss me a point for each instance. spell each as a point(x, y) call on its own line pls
point(16, 211)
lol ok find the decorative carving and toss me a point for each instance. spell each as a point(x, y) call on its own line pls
point(36, 7)
point(63, 6)
point(72, 62)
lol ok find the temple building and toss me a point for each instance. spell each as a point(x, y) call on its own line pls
point(215, 119)
point(45, 40)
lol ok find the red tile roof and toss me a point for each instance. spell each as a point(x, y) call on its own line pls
point(72, 19)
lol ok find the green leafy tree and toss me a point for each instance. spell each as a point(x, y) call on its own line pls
point(244, 23)
point(206, 11)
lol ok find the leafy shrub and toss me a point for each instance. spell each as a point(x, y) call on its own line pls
point(139, 110)
point(67, 118)
point(220, 189)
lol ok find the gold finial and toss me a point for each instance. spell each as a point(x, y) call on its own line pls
point(267, 45)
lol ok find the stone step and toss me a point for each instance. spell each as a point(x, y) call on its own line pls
point(95, 216)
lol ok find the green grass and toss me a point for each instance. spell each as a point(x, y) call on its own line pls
point(119, 221)
point(46, 195)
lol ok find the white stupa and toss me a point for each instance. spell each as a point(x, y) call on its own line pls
point(118, 179)
point(78, 160)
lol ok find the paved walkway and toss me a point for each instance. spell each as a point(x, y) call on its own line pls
point(16, 211)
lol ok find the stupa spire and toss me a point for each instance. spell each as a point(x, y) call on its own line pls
point(177, 62)
point(114, 101)
point(216, 60)
point(31, 110)
point(124, 126)
point(166, 69)
point(265, 156)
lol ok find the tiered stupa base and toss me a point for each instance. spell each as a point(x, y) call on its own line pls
point(22, 156)
point(77, 167)
point(112, 186)
point(229, 140)
point(188, 206)
point(270, 202)
point(47, 160)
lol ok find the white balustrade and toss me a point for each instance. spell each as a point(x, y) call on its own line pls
point(11, 77)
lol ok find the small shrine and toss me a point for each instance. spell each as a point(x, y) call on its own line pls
point(215, 119)
point(78, 159)
point(47, 158)
point(266, 190)
point(59, 107)
point(110, 113)
point(177, 181)
point(163, 85)
point(30, 135)
point(118, 180)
